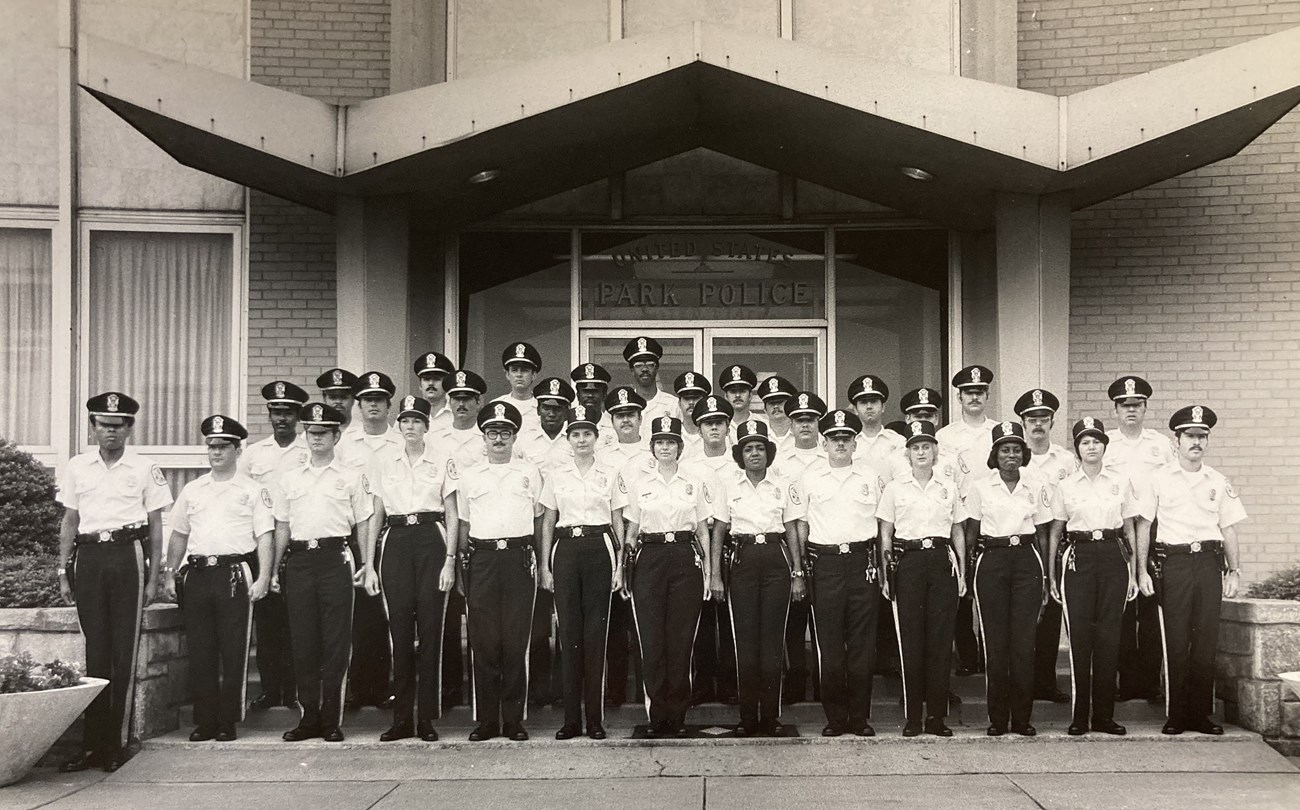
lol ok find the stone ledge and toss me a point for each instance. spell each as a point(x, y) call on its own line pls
point(64, 619)
point(1260, 611)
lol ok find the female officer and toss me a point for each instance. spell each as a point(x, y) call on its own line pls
point(754, 509)
point(667, 538)
point(581, 544)
point(1093, 576)
point(1007, 513)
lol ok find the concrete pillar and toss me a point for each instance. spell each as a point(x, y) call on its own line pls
point(988, 41)
point(417, 54)
point(1033, 315)
point(373, 261)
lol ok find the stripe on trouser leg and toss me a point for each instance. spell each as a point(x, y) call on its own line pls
point(128, 706)
point(352, 609)
point(975, 586)
point(902, 665)
point(1164, 654)
point(1069, 635)
point(636, 622)
point(532, 612)
point(248, 640)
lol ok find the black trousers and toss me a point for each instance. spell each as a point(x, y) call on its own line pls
point(500, 592)
point(845, 609)
point(1008, 594)
point(1047, 647)
point(1190, 593)
point(759, 600)
point(624, 649)
point(583, 568)
point(715, 654)
point(371, 655)
point(925, 609)
point(968, 646)
point(453, 650)
point(1141, 644)
point(1094, 582)
point(542, 675)
point(110, 580)
point(218, 624)
point(667, 592)
point(798, 628)
point(409, 570)
point(274, 653)
point(318, 591)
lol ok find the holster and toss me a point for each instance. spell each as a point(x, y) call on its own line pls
point(730, 556)
point(891, 572)
point(463, 562)
point(1062, 548)
point(1125, 548)
point(1156, 568)
point(179, 579)
point(70, 570)
point(629, 566)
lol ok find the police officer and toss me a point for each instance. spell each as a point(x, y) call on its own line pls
point(642, 355)
point(220, 552)
point(317, 509)
point(1138, 451)
point(522, 363)
point(1193, 565)
point(972, 384)
point(776, 391)
point(581, 547)
point(624, 407)
point(432, 369)
point(690, 387)
point(1007, 516)
point(548, 445)
point(765, 571)
point(1037, 411)
point(737, 382)
point(499, 501)
point(335, 386)
point(415, 505)
point(922, 541)
point(836, 508)
point(265, 461)
point(667, 538)
point(922, 405)
point(590, 386)
point(110, 550)
point(875, 446)
point(1092, 575)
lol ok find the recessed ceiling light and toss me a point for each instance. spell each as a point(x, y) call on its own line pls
point(485, 176)
point(915, 173)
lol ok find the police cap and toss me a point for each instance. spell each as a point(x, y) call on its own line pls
point(553, 389)
point(462, 381)
point(283, 392)
point(1036, 401)
point(712, 408)
point(1193, 416)
point(868, 385)
point(642, 348)
point(219, 426)
point(499, 414)
point(112, 403)
point(522, 353)
point(336, 379)
point(919, 399)
point(624, 398)
point(433, 363)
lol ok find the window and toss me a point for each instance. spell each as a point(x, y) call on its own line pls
point(26, 335)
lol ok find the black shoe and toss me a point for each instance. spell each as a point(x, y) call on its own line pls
point(1052, 695)
point(865, 730)
point(936, 727)
point(332, 734)
point(832, 730)
point(300, 733)
point(568, 732)
point(652, 731)
point(263, 702)
point(1170, 727)
point(398, 731)
point(202, 734)
point(1077, 730)
point(484, 731)
point(1205, 725)
point(743, 730)
point(912, 729)
point(515, 731)
point(113, 762)
point(82, 762)
point(425, 731)
point(995, 730)
point(773, 728)
point(226, 734)
point(293, 705)
point(1110, 727)
point(1025, 731)
point(682, 731)
point(596, 731)
point(385, 703)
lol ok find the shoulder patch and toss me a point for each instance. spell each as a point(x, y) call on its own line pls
point(962, 462)
point(158, 477)
point(1047, 497)
point(452, 472)
point(794, 495)
point(708, 496)
point(266, 498)
point(622, 485)
point(365, 483)
point(1232, 493)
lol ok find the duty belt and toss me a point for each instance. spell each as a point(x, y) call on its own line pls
point(412, 519)
point(318, 544)
point(599, 530)
point(126, 534)
point(501, 543)
point(216, 560)
point(1196, 547)
point(761, 539)
point(1092, 536)
point(922, 544)
point(856, 547)
point(1009, 541)
point(667, 537)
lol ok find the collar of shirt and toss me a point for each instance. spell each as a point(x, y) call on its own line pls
point(127, 460)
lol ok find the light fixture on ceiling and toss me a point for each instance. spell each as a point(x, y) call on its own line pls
point(915, 173)
point(485, 176)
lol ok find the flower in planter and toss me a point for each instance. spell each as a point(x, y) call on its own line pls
point(21, 673)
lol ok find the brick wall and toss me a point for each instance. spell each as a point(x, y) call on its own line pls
point(1193, 283)
point(333, 51)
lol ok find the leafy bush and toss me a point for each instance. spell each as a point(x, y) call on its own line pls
point(29, 515)
point(1284, 584)
point(21, 673)
point(29, 582)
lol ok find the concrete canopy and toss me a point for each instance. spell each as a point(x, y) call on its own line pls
point(845, 123)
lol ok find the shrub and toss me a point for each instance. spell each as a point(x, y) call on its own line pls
point(29, 515)
point(1284, 584)
point(29, 581)
point(21, 673)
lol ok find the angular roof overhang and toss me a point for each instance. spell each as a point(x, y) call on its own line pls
point(846, 123)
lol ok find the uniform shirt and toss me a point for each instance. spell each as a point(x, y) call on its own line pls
point(1054, 465)
point(108, 498)
point(405, 487)
point(1138, 457)
point(959, 436)
point(791, 465)
point(356, 449)
point(500, 500)
point(1094, 503)
point(1190, 506)
point(581, 498)
point(661, 404)
point(784, 442)
point(441, 420)
point(542, 451)
point(920, 511)
point(692, 445)
point(265, 461)
point(527, 409)
point(222, 517)
point(838, 503)
point(656, 505)
point(878, 452)
point(945, 466)
point(761, 508)
point(324, 501)
point(1002, 511)
point(619, 454)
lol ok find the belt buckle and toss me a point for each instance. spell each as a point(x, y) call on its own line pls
point(412, 519)
point(502, 545)
point(760, 539)
point(1196, 547)
point(669, 537)
point(577, 531)
point(1096, 534)
point(212, 560)
point(844, 548)
point(927, 543)
point(313, 544)
point(105, 535)
point(1013, 540)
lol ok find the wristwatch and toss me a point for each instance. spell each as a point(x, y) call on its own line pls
point(797, 573)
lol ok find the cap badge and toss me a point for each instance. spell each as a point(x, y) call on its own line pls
point(374, 380)
point(408, 403)
point(500, 411)
point(866, 385)
point(279, 389)
point(519, 350)
point(640, 344)
point(689, 379)
point(735, 373)
point(590, 371)
point(712, 404)
point(773, 386)
point(580, 412)
point(555, 386)
point(1038, 397)
point(665, 423)
point(917, 427)
point(1088, 423)
point(1005, 427)
point(622, 396)
point(803, 400)
point(1130, 387)
point(1198, 413)
point(430, 360)
point(112, 403)
point(337, 377)
point(460, 378)
point(218, 424)
point(839, 419)
point(317, 413)
point(923, 397)
point(975, 375)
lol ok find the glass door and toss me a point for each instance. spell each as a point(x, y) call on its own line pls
point(683, 351)
point(794, 353)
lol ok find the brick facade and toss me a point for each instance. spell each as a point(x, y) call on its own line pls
point(1193, 283)
point(334, 51)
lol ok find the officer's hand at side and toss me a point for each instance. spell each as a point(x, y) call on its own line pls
point(717, 590)
point(888, 593)
point(545, 579)
point(616, 581)
point(961, 587)
point(1056, 592)
point(798, 589)
point(169, 589)
point(447, 577)
point(1145, 585)
point(259, 589)
point(370, 579)
point(65, 591)
point(151, 591)
point(359, 577)
point(1231, 581)
point(275, 583)
point(1132, 592)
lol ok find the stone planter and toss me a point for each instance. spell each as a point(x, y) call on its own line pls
point(30, 722)
point(1258, 640)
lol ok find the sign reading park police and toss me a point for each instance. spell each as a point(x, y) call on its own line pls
point(703, 275)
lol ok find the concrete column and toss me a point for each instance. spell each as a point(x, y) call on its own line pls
point(417, 54)
point(373, 260)
point(1033, 313)
point(988, 41)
